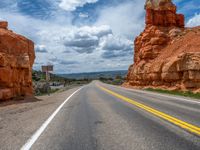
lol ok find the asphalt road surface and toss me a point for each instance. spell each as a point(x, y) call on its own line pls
point(105, 117)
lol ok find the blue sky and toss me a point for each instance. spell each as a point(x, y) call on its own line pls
point(84, 35)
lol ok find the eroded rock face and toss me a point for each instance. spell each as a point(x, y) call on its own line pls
point(167, 55)
point(162, 13)
point(16, 60)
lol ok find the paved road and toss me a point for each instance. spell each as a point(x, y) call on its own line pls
point(103, 117)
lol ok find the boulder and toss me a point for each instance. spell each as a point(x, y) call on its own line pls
point(16, 60)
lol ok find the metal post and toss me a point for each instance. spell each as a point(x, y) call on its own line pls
point(47, 81)
point(46, 69)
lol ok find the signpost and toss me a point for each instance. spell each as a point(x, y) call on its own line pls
point(47, 69)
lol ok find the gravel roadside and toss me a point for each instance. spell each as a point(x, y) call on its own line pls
point(20, 119)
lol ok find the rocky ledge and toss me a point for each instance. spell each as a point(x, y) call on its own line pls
point(167, 55)
point(16, 59)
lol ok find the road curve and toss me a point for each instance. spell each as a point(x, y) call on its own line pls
point(96, 119)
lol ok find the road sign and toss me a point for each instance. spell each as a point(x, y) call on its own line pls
point(47, 68)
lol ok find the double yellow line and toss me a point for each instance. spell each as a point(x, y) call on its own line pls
point(187, 126)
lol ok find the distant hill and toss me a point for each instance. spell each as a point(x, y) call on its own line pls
point(95, 75)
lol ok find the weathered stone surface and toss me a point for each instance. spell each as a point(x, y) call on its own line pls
point(162, 13)
point(6, 94)
point(16, 60)
point(167, 55)
point(4, 24)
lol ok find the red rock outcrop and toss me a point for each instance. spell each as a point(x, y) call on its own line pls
point(16, 59)
point(167, 55)
point(163, 13)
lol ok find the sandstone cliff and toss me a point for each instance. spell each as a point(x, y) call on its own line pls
point(167, 55)
point(16, 59)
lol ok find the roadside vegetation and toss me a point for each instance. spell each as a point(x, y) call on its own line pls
point(118, 80)
point(61, 83)
point(179, 93)
point(55, 84)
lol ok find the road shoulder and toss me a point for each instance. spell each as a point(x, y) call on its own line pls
point(19, 120)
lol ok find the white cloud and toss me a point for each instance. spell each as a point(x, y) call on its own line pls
point(86, 39)
point(41, 49)
point(1, 19)
point(67, 44)
point(115, 43)
point(125, 19)
point(116, 47)
point(71, 5)
point(194, 21)
point(83, 15)
point(81, 49)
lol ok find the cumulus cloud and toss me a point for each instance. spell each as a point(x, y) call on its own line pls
point(83, 15)
point(115, 47)
point(115, 43)
point(98, 46)
point(194, 21)
point(83, 44)
point(124, 19)
point(41, 49)
point(86, 39)
point(71, 5)
point(53, 59)
point(61, 61)
point(65, 62)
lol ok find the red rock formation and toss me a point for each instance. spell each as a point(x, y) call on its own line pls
point(16, 59)
point(167, 55)
point(4, 24)
point(163, 13)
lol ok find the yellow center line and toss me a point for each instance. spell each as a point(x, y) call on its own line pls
point(187, 126)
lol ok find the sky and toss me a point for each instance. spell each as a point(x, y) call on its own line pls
point(84, 35)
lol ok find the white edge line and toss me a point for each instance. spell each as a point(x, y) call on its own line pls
point(37, 134)
point(153, 93)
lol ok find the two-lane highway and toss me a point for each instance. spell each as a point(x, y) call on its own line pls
point(105, 117)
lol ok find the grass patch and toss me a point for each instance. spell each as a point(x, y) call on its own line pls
point(179, 93)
